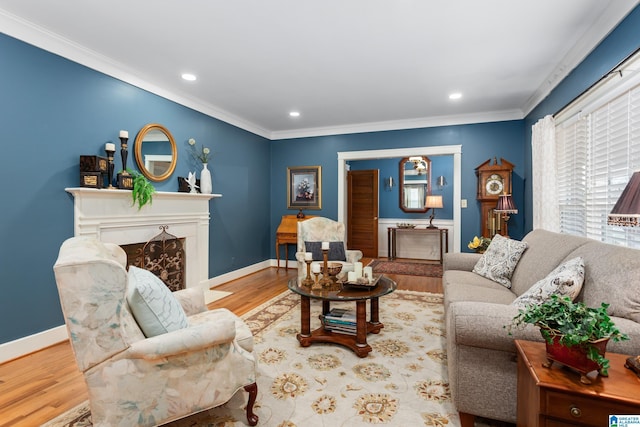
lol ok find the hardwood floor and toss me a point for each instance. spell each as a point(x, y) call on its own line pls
point(38, 387)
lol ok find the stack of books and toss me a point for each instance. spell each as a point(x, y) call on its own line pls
point(340, 320)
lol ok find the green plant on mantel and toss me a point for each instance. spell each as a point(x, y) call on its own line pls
point(573, 324)
point(143, 190)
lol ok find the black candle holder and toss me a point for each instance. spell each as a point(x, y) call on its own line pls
point(124, 153)
point(110, 154)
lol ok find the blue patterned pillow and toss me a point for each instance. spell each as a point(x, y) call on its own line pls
point(500, 259)
point(153, 305)
point(336, 251)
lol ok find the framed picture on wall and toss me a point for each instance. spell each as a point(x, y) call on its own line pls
point(304, 187)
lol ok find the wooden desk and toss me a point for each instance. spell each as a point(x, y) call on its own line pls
point(443, 234)
point(555, 396)
point(287, 233)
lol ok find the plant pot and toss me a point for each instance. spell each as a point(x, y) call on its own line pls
point(575, 357)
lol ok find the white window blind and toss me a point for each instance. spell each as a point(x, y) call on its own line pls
point(598, 151)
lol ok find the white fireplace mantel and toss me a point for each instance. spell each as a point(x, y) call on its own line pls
point(111, 216)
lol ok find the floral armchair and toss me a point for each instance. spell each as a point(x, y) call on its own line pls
point(319, 229)
point(135, 380)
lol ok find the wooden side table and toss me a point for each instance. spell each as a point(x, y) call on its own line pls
point(286, 234)
point(443, 234)
point(555, 396)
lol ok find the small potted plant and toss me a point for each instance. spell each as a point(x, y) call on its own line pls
point(479, 244)
point(575, 335)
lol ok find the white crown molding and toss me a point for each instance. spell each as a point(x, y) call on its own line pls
point(28, 32)
point(585, 45)
point(494, 116)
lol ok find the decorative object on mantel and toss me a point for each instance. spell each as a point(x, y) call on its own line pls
point(93, 169)
point(202, 157)
point(110, 149)
point(626, 211)
point(143, 190)
point(183, 185)
point(124, 179)
point(191, 182)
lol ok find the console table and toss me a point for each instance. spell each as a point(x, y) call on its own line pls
point(442, 233)
point(555, 396)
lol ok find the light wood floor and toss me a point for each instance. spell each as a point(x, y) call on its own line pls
point(38, 387)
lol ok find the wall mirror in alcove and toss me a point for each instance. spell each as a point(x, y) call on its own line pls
point(414, 183)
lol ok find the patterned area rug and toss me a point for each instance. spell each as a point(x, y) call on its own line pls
point(408, 268)
point(402, 382)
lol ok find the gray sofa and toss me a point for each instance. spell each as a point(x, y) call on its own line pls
point(481, 353)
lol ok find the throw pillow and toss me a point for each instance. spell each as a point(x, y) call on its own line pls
point(564, 280)
point(336, 251)
point(500, 259)
point(152, 304)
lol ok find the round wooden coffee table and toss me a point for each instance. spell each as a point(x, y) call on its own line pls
point(338, 292)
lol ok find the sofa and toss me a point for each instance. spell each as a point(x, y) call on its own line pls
point(481, 353)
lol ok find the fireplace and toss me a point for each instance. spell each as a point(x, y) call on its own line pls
point(110, 216)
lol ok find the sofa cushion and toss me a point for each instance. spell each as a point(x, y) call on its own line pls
point(565, 280)
point(336, 251)
point(612, 275)
point(467, 286)
point(152, 304)
point(500, 259)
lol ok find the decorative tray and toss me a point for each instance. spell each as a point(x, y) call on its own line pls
point(405, 225)
point(362, 285)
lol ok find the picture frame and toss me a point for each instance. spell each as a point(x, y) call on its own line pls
point(304, 187)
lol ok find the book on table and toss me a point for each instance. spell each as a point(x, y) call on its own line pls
point(340, 320)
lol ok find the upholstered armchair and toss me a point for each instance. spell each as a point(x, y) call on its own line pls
point(148, 375)
point(312, 232)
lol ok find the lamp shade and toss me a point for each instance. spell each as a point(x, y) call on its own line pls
point(433, 202)
point(626, 211)
point(506, 205)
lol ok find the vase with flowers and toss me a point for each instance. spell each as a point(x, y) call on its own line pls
point(202, 156)
point(479, 244)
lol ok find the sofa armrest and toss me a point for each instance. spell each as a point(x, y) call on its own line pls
point(486, 325)
point(353, 255)
point(187, 340)
point(191, 300)
point(460, 261)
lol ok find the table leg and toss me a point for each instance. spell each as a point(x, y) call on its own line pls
point(389, 243)
point(305, 317)
point(326, 307)
point(361, 323)
point(278, 255)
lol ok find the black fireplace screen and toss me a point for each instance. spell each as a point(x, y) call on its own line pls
point(163, 255)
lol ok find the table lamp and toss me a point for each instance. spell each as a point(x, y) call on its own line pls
point(626, 211)
point(433, 203)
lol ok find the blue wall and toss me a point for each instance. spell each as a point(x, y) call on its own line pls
point(479, 142)
point(622, 42)
point(53, 110)
point(389, 199)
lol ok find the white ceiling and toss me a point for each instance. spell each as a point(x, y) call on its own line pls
point(346, 65)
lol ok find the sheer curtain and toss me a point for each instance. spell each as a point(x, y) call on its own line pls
point(546, 213)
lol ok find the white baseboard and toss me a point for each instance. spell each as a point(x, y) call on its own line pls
point(25, 345)
point(29, 344)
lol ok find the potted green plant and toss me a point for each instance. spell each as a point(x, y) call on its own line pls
point(143, 190)
point(575, 335)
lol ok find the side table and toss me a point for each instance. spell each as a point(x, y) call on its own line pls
point(443, 234)
point(555, 396)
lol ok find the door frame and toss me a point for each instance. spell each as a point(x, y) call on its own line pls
point(438, 150)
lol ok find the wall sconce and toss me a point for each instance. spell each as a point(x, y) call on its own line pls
point(389, 183)
point(441, 182)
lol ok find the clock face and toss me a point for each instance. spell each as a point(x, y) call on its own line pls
point(494, 185)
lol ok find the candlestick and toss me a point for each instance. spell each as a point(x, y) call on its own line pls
point(123, 150)
point(326, 281)
point(308, 281)
point(110, 149)
point(316, 283)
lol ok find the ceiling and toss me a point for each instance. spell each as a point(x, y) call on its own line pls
point(346, 66)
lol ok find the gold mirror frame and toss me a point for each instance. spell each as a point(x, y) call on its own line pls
point(140, 158)
point(407, 165)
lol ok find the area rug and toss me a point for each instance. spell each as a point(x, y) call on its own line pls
point(402, 382)
point(408, 268)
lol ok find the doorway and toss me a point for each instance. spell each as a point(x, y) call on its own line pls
point(453, 150)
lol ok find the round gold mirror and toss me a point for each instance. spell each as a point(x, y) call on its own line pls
point(156, 152)
point(415, 183)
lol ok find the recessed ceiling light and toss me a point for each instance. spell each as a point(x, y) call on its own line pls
point(455, 95)
point(189, 77)
point(294, 114)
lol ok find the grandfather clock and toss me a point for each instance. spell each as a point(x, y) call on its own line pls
point(493, 180)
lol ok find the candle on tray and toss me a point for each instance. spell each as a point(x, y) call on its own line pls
point(325, 246)
point(124, 134)
point(357, 268)
point(308, 256)
point(109, 146)
point(315, 268)
point(368, 272)
point(351, 276)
